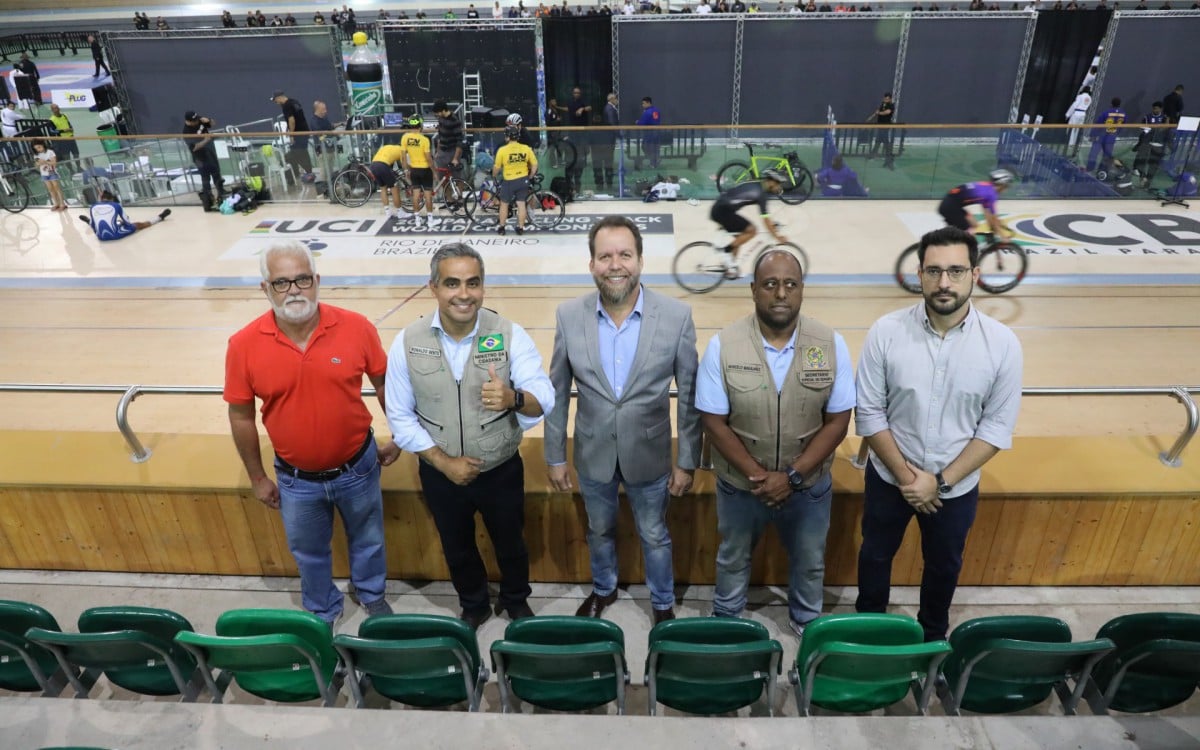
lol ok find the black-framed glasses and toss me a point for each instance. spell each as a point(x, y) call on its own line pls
point(281, 286)
point(933, 273)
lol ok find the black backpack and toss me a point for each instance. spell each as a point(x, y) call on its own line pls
point(562, 187)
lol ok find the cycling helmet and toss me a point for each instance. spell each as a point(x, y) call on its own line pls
point(414, 121)
point(1001, 177)
point(513, 121)
point(775, 174)
point(512, 133)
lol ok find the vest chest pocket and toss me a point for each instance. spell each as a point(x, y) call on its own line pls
point(498, 431)
point(423, 365)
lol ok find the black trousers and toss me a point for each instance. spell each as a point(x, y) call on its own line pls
point(210, 174)
point(943, 537)
point(100, 64)
point(498, 496)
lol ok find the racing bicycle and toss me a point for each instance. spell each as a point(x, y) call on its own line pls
point(354, 185)
point(545, 208)
point(703, 266)
point(14, 193)
point(796, 191)
point(1002, 266)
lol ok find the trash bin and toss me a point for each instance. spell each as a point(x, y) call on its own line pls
point(109, 144)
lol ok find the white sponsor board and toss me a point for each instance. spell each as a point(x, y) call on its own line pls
point(377, 237)
point(1121, 233)
point(73, 98)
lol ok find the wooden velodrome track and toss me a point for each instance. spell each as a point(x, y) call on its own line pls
point(158, 307)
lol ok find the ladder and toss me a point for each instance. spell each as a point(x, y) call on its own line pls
point(472, 95)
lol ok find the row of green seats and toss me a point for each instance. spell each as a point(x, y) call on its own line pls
point(852, 663)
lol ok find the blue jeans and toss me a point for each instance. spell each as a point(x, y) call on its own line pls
point(802, 523)
point(648, 501)
point(307, 510)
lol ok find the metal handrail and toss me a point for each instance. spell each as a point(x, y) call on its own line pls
point(1171, 458)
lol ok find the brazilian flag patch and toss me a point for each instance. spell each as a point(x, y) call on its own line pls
point(492, 343)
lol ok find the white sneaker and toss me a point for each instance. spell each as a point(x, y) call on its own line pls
point(432, 221)
point(402, 215)
point(387, 213)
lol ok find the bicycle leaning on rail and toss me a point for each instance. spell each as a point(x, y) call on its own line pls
point(703, 266)
point(354, 185)
point(545, 208)
point(1002, 266)
point(798, 190)
point(14, 193)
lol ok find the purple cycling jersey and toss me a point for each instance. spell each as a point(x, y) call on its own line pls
point(971, 193)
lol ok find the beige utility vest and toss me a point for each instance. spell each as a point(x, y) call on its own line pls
point(452, 412)
point(775, 426)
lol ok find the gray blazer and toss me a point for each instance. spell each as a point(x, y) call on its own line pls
point(635, 429)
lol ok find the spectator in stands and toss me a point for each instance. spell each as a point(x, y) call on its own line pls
point(939, 389)
point(107, 219)
point(297, 128)
point(650, 116)
point(276, 22)
point(137, 21)
point(737, 7)
point(605, 144)
point(838, 180)
point(1152, 144)
point(319, 426)
point(26, 66)
point(1173, 104)
point(1076, 115)
point(227, 20)
point(497, 12)
point(1090, 78)
point(621, 348)
point(349, 22)
point(97, 56)
point(449, 16)
point(261, 18)
point(1104, 138)
point(289, 20)
point(204, 156)
point(486, 375)
point(471, 12)
point(383, 15)
point(47, 163)
point(772, 452)
point(319, 18)
point(67, 148)
point(251, 20)
point(162, 25)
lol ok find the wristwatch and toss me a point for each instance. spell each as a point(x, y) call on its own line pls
point(942, 487)
point(795, 479)
point(518, 399)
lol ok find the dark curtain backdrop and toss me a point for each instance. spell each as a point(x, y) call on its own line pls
point(1064, 43)
point(578, 52)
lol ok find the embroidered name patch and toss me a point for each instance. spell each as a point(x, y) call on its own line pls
point(483, 359)
point(815, 370)
point(425, 351)
point(734, 367)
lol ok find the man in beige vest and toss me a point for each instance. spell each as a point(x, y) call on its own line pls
point(774, 391)
point(467, 383)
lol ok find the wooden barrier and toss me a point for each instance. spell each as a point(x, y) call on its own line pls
point(76, 502)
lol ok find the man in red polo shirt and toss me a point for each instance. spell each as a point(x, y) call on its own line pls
point(305, 361)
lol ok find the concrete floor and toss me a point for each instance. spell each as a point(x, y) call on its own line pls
point(121, 719)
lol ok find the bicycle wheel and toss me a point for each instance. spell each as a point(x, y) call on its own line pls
point(908, 270)
point(802, 186)
point(733, 173)
point(796, 250)
point(700, 267)
point(353, 187)
point(462, 198)
point(1002, 265)
point(545, 209)
point(406, 191)
point(14, 194)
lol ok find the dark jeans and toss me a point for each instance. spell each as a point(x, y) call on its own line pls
point(498, 496)
point(100, 64)
point(210, 175)
point(943, 536)
point(602, 164)
point(299, 156)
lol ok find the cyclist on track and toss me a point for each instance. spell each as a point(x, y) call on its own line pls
point(418, 161)
point(381, 168)
point(956, 208)
point(725, 212)
point(524, 135)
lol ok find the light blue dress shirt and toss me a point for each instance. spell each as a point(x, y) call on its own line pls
point(710, 384)
point(525, 368)
point(618, 345)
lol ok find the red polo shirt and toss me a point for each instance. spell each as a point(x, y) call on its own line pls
point(312, 400)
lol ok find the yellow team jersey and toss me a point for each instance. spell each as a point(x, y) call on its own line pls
point(416, 146)
point(389, 155)
point(516, 159)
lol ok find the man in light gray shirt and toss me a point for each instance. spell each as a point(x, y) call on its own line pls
point(939, 388)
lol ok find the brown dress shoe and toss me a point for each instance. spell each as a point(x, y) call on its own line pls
point(516, 611)
point(662, 615)
point(594, 605)
point(476, 618)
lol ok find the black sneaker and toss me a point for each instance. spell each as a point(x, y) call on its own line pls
point(520, 230)
point(165, 213)
point(85, 220)
point(500, 230)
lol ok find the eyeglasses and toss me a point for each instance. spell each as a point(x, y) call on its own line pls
point(281, 286)
point(933, 273)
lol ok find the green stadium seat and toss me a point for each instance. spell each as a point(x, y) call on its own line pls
point(856, 663)
point(561, 663)
point(133, 647)
point(419, 660)
point(27, 667)
point(1011, 663)
point(281, 655)
point(1156, 663)
point(711, 665)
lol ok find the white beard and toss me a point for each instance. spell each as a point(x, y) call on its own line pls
point(295, 309)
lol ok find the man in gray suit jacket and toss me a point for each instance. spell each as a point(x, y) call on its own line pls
point(622, 347)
